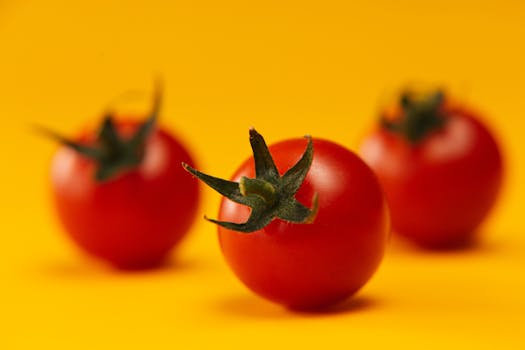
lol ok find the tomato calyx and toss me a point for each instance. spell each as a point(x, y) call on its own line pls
point(420, 115)
point(269, 195)
point(112, 152)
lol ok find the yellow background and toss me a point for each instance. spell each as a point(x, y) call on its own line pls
point(288, 68)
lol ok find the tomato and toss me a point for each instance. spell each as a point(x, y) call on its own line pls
point(325, 259)
point(128, 213)
point(441, 170)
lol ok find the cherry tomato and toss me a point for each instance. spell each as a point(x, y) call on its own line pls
point(440, 167)
point(323, 260)
point(123, 202)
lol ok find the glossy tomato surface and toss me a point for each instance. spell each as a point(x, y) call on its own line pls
point(322, 263)
point(440, 189)
point(135, 218)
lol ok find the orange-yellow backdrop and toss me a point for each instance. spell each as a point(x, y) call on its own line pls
point(288, 68)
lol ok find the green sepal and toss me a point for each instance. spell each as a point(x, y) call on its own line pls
point(113, 153)
point(86, 151)
point(419, 117)
point(227, 188)
point(265, 168)
point(269, 195)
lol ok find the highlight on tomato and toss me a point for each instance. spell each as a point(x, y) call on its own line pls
point(301, 228)
point(120, 192)
point(440, 166)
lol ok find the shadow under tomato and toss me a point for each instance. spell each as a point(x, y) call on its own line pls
point(479, 244)
point(252, 306)
point(73, 269)
point(351, 305)
point(172, 264)
point(78, 268)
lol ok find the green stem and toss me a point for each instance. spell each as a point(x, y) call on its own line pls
point(419, 117)
point(269, 195)
point(257, 187)
point(113, 153)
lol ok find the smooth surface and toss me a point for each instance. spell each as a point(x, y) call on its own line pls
point(287, 68)
point(321, 263)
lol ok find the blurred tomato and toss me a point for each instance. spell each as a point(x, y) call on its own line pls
point(440, 167)
point(121, 194)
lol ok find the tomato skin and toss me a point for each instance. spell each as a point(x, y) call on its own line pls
point(440, 189)
point(134, 219)
point(313, 265)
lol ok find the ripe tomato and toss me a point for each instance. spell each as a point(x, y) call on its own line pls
point(440, 167)
point(314, 263)
point(131, 203)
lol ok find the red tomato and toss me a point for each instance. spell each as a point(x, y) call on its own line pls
point(136, 216)
point(314, 264)
point(441, 186)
